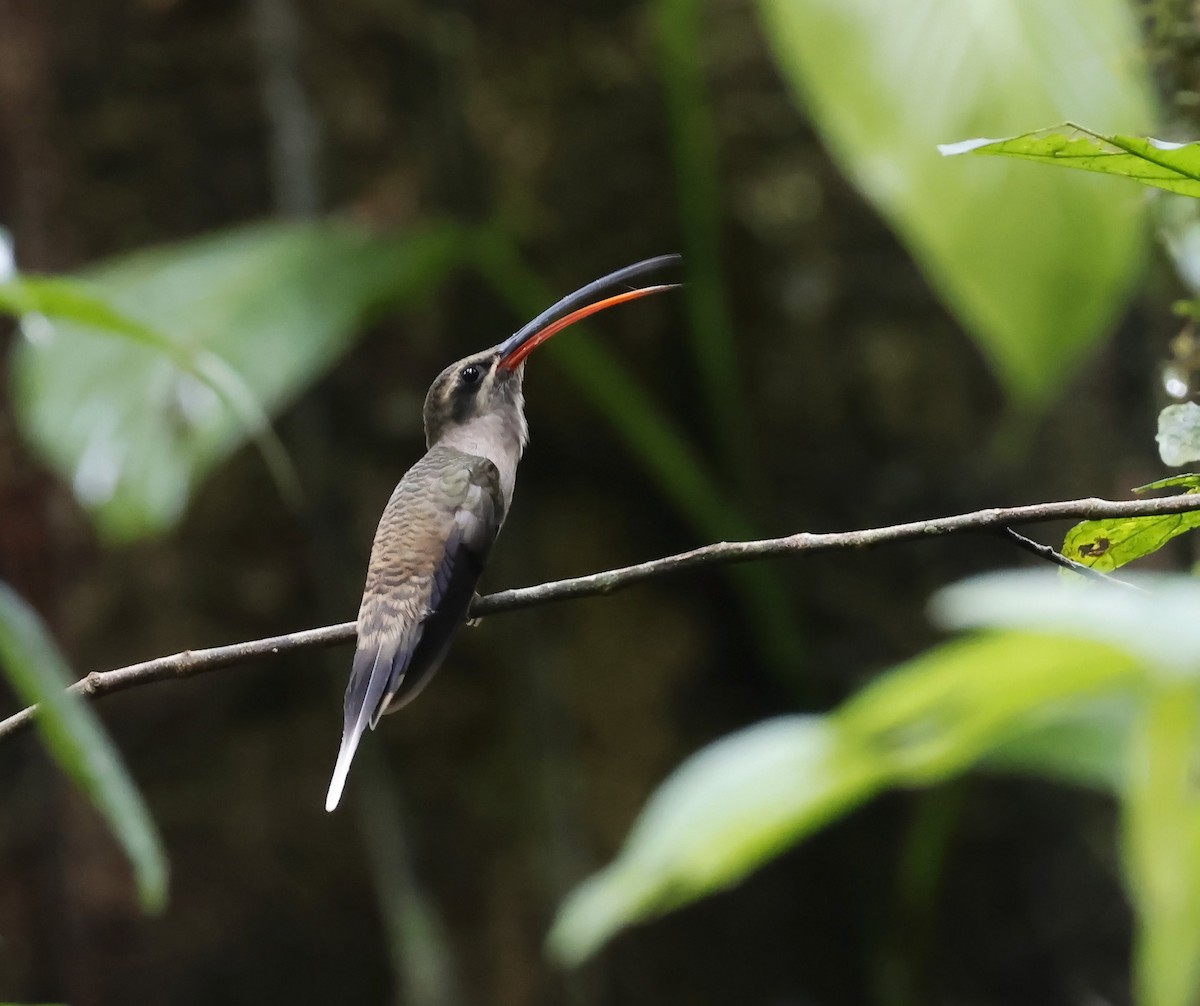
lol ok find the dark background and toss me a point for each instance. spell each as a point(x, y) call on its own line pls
point(520, 770)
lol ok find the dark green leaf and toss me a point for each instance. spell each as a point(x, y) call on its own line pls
point(1171, 166)
point(38, 674)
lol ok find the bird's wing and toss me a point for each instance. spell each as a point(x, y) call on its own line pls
point(430, 548)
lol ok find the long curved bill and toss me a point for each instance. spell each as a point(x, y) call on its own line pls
point(579, 305)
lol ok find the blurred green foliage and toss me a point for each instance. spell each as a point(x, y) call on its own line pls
point(137, 377)
point(73, 734)
point(1036, 265)
point(745, 798)
point(1027, 694)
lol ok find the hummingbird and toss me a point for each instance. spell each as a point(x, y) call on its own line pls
point(443, 516)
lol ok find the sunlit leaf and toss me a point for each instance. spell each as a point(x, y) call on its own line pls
point(1037, 263)
point(740, 801)
point(1110, 543)
point(1171, 166)
point(1162, 846)
point(262, 310)
point(1179, 434)
point(1187, 480)
point(38, 674)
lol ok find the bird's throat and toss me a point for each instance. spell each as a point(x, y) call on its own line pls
point(498, 436)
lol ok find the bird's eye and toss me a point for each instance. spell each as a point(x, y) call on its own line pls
point(470, 374)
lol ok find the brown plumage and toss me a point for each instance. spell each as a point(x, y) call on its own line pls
point(439, 525)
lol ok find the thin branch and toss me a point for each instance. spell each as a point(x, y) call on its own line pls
point(1050, 555)
point(193, 662)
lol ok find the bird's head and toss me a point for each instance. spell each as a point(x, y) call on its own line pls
point(488, 384)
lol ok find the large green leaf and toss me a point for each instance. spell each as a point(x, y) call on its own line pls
point(741, 800)
point(1036, 263)
point(38, 674)
point(41, 300)
point(255, 314)
point(1171, 166)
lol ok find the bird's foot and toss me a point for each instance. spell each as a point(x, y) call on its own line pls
point(473, 622)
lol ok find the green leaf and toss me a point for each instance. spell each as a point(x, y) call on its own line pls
point(1165, 165)
point(1179, 434)
point(1157, 622)
point(722, 813)
point(740, 801)
point(259, 313)
point(41, 300)
point(38, 674)
point(1037, 264)
point(1161, 826)
point(1085, 743)
point(1110, 543)
point(1187, 480)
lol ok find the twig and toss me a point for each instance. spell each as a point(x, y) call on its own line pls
point(193, 662)
point(1050, 555)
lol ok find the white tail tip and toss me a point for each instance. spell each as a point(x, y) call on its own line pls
point(342, 769)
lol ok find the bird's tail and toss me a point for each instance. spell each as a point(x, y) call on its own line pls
point(363, 696)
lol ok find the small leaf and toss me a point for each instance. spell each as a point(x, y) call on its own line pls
point(1165, 165)
point(1161, 824)
point(1179, 434)
point(38, 674)
point(1187, 480)
point(1111, 543)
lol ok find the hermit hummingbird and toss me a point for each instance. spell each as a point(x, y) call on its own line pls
point(442, 518)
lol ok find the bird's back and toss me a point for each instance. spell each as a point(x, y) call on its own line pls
point(429, 550)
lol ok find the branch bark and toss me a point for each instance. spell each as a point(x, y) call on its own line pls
point(192, 662)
